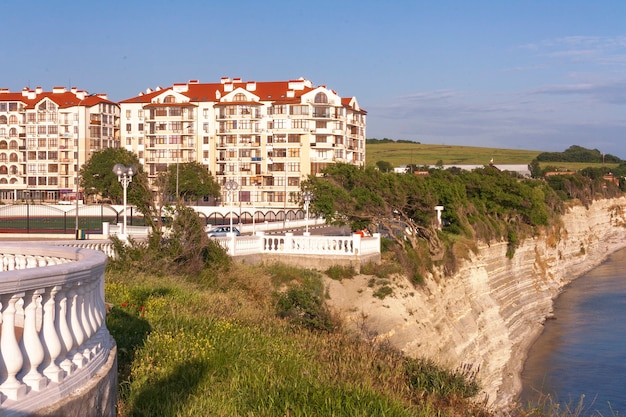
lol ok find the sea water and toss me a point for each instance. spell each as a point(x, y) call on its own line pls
point(582, 352)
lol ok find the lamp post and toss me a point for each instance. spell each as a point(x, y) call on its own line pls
point(307, 196)
point(231, 186)
point(76, 234)
point(124, 176)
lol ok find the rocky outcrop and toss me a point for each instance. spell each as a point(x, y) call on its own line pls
point(488, 314)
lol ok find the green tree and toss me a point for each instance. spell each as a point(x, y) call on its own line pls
point(384, 166)
point(192, 180)
point(97, 176)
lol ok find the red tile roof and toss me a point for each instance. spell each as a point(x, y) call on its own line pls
point(63, 99)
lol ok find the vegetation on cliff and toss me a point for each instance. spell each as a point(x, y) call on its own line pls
point(237, 340)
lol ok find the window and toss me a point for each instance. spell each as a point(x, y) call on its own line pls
point(294, 152)
point(320, 124)
point(128, 127)
point(53, 142)
point(300, 124)
point(299, 110)
point(279, 109)
point(321, 98)
point(3, 120)
point(128, 114)
point(205, 140)
point(239, 97)
point(279, 124)
point(41, 142)
point(293, 166)
point(140, 114)
point(140, 127)
point(169, 99)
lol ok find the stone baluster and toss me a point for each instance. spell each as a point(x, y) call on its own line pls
point(84, 306)
point(64, 332)
point(31, 344)
point(20, 262)
point(49, 337)
point(77, 332)
point(31, 262)
point(10, 353)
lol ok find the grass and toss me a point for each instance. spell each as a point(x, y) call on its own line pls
point(423, 154)
point(190, 347)
point(401, 153)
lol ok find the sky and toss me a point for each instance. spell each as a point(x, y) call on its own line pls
point(527, 74)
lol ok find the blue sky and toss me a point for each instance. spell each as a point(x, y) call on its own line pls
point(540, 75)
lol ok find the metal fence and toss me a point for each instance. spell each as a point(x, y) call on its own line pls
point(64, 219)
point(39, 218)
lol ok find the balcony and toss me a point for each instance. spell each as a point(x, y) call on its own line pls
point(55, 344)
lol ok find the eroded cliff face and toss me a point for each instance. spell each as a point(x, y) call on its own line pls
point(488, 314)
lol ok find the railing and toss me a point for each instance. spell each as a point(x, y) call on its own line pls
point(353, 245)
point(53, 337)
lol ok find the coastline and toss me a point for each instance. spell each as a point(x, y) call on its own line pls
point(488, 315)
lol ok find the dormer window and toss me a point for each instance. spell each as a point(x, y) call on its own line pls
point(239, 97)
point(169, 99)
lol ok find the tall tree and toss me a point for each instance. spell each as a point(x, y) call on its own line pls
point(192, 180)
point(97, 176)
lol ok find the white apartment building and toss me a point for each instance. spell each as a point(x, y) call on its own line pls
point(267, 137)
point(46, 135)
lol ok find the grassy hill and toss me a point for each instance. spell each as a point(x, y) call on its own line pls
point(401, 153)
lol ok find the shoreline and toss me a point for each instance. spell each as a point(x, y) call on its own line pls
point(492, 310)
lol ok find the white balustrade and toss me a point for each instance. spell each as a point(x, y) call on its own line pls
point(53, 336)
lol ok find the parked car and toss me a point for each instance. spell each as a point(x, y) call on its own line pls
point(222, 231)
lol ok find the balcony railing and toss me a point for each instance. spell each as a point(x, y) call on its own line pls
point(54, 339)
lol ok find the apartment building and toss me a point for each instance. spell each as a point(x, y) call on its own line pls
point(45, 136)
point(265, 137)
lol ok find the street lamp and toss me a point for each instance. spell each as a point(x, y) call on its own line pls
point(307, 196)
point(231, 186)
point(124, 176)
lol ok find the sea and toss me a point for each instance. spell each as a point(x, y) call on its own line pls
point(579, 360)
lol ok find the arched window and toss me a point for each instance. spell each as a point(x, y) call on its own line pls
point(12, 119)
point(4, 170)
point(13, 144)
point(3, 144)
point(239, 97)
point(321, 98)
point(13, 157)
point(3, 131)
point(13, 132)
point(3, 158)
point(14, 170)
point(3, 120)
point(169, 99)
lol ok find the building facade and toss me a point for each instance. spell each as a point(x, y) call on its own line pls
point(45, 136)
point(265, 137)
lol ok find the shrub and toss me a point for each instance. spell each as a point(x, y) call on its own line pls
point(304, 306)
point(338, 272)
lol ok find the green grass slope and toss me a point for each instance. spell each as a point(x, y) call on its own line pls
point(401, 153)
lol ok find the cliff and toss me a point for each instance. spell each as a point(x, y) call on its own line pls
point(489, 313)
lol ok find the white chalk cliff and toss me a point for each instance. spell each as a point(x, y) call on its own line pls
point(490, 312)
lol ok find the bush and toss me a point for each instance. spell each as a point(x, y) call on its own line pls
point(338, 272)
point(303, 305)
